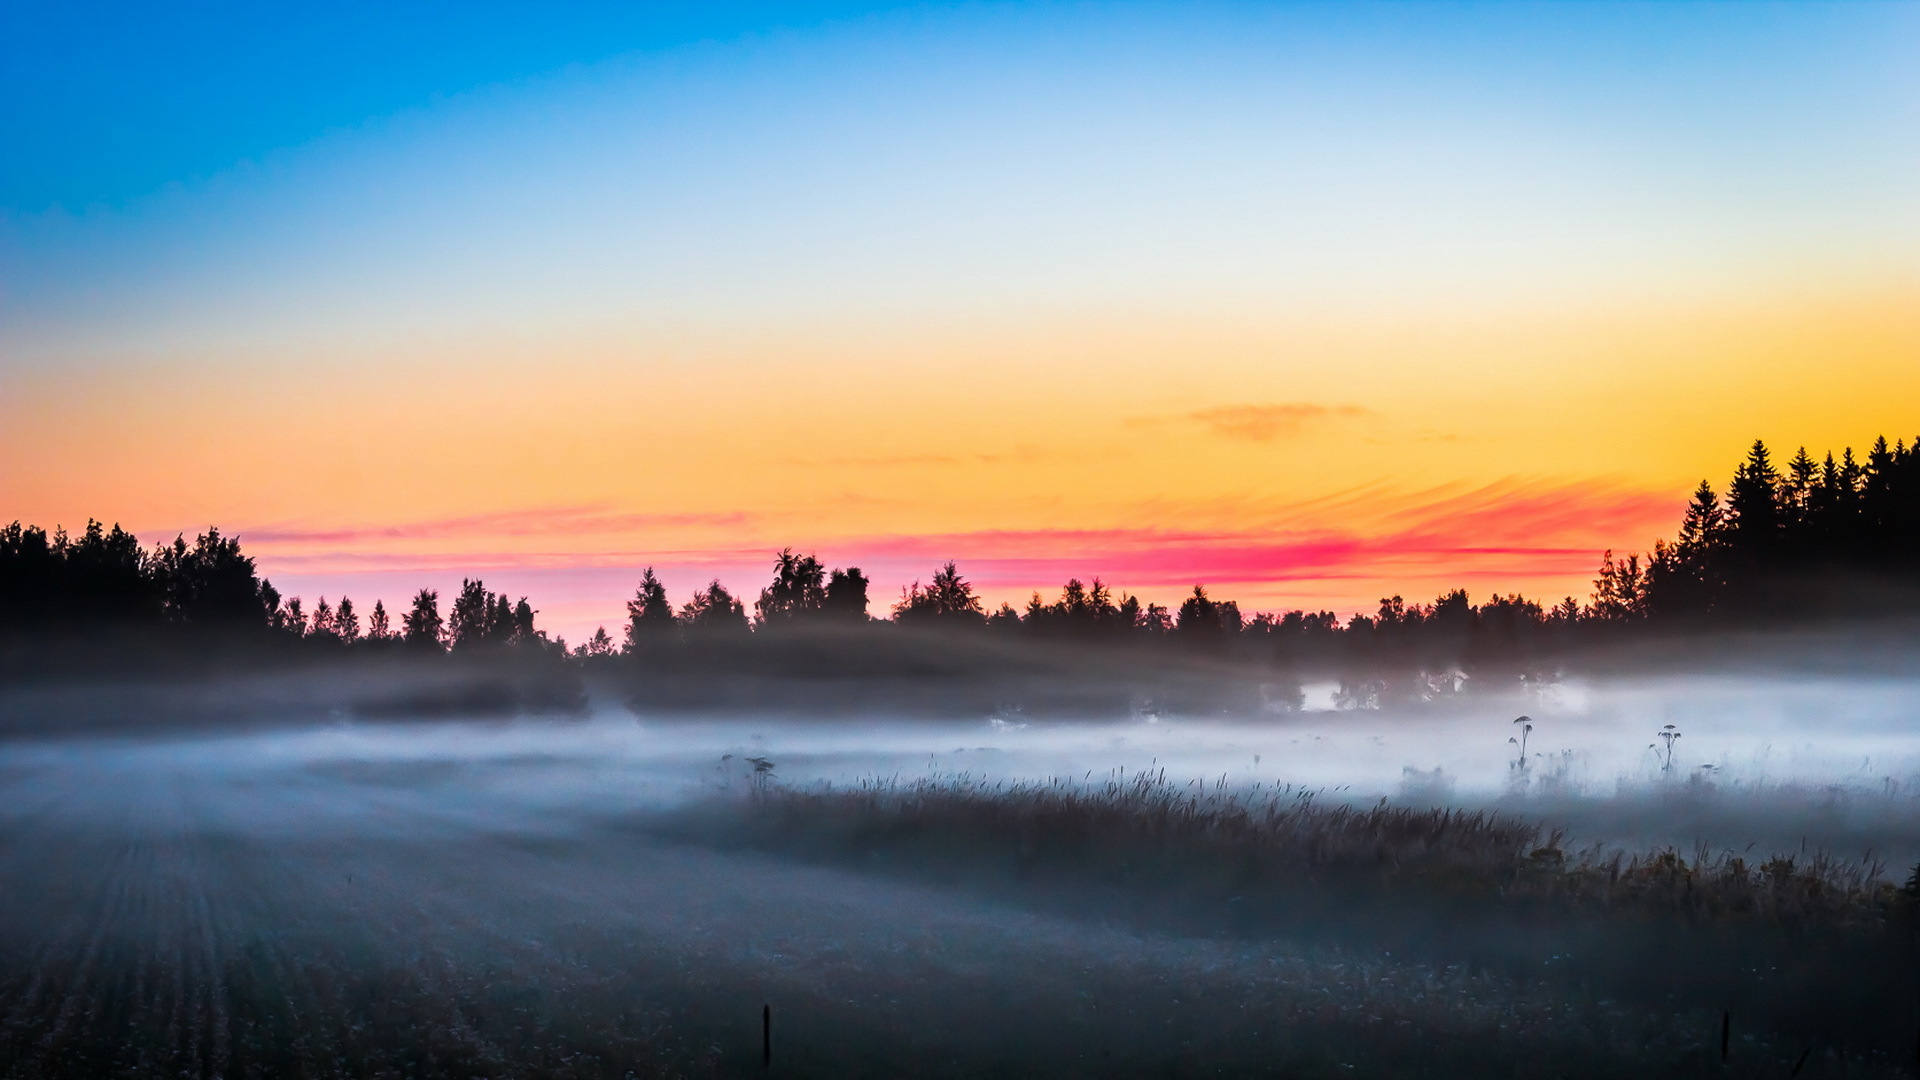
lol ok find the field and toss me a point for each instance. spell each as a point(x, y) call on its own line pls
point(607, 898)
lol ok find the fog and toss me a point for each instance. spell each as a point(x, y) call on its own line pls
point(492, 897)
point(1833, 760)
point(1853, 741)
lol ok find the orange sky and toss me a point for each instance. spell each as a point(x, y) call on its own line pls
point(1311, 465)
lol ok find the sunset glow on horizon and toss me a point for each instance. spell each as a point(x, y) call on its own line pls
point(1312, 304)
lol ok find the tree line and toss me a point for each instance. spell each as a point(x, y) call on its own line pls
point(1782, 542)
point(103, 582)
point(1773, 546)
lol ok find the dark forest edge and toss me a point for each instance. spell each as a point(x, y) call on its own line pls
point(1815, 546)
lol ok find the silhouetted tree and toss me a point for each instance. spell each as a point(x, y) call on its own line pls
point(1156, 619)
point(292, 619)
point(346, 622)
point(378, 628)
point(270, 599)
point(1879, 509)
point(1504, 623)
point(1688, 576)
point(599, 645)
point(847, 595)
point(1199, 618)
point(1618, 593)
point(713, 610)
point(470, 623)
point(798, 591)
point(1083, 611)
point(1779, 540)
point(649, 613)
point(481, 617)
point(106, 579)
point(32, 586)
point(1754, 515)
point(1796, 501)
point(55, 583)
point(947, 600)
point(210, 585)
point(422, 626)
point(521, 630)
point(1771, 547)
point(322, 624)
point(1005, 618)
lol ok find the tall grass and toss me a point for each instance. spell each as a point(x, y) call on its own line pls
point(1212, 834)
point(1799, 947)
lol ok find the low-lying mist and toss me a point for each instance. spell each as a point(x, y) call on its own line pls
point(601, 892)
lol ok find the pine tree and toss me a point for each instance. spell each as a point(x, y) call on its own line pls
point(1878, 512)
point(294, 621)
point(322, 626)
point(649, 613)
point(1703, 528)
point(1754, 527)
point(1797, 492)
point(472, 620)
point(346, 622)
point(953, 595)
point(1686, 578)
point(378, 628)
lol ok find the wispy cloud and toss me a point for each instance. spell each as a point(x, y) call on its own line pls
point(1255, 422)
point(1265, 423)
point(1515, 528)
point(1341, 550)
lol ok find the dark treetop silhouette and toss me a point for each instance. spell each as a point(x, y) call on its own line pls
point(1815, 541)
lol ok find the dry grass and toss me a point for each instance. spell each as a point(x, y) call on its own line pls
point(1810, 889)
point(1282, 838)
point(1802, 949)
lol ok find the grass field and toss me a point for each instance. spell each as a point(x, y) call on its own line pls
point(194, 909)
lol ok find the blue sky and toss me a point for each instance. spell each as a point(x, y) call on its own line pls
point(112, 101)
point(239, 175)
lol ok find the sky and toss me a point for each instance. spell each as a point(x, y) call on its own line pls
point(1311, 303)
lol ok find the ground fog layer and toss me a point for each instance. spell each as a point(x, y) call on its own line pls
point(615, 896)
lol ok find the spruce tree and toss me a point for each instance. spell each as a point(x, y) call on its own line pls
point(1754, 512)
point(649, 613)
point(378, 628)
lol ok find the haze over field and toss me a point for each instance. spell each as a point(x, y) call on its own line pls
point(1835, 757)
point(565, 896)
